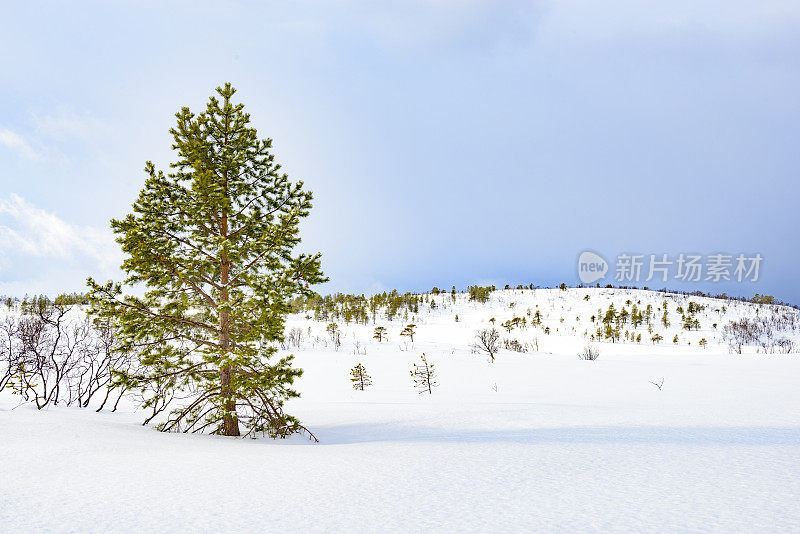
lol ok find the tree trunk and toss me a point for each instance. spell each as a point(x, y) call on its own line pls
point(230, 423)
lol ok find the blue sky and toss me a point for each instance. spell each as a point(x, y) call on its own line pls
point(447, 143)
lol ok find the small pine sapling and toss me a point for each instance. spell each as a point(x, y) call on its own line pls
point(424, 376)
point(359, 377)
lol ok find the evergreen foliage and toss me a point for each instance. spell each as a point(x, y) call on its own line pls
point(380, 333)
point(212, 244)
point(409, 331)
point(424, 376)
point(359, 377)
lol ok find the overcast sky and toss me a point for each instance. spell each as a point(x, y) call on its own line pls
point(446, 143)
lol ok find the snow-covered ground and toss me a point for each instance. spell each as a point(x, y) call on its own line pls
point(534, 441)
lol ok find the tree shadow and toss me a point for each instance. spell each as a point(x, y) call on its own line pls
point(690, 435)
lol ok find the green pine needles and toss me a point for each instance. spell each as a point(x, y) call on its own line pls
point(212, 246)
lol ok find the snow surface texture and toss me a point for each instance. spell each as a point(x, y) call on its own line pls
point(538, 441)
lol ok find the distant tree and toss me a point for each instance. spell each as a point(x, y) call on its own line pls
point(703, 342)
point(656, 338)
point(488, 341)
point(639, 319)
point(563, 286)
point(739, 333)
point(608, 332)
point(380, 333)
point(675, 339)
point(610, 315)
point(763, 299)
point(424, 376)
point(359, 377)
point(409, 331)
point(332, 329)
point(480, 294)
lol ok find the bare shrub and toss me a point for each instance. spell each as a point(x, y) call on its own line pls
point(515, 345)
point(740, 333)
point(9, 357)
point(786, 345)
point(295, 337)
point(589, 352)
point(488, 341)
point(659, 384)
point(53, 356)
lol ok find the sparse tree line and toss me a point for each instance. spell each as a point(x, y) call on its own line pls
point(612, 325)
point(755, 299)
point(628, 324)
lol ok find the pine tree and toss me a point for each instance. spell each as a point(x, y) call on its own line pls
point(332, 329)
point(611, 314)
point(359, 377)
point(409, 331)
point(380, 333)
point(424, 376)
point(212, 243)
point(656, 338)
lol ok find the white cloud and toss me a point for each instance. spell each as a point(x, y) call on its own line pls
point(39, 245)
point(15, 142)
point(66, 125)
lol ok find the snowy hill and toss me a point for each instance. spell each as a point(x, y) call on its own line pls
point(653, 435)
